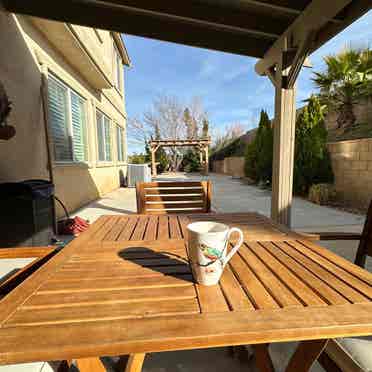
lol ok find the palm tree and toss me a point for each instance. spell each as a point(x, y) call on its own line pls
point(347, 79)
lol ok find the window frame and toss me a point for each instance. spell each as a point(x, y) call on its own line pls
point(102, 131)
point(120, 131)
point(69, 124)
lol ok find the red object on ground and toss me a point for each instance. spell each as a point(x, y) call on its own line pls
point(72, 226)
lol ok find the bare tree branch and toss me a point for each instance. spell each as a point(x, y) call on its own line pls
point(165, 120)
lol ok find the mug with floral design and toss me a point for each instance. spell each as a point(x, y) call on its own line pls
point(207, 246)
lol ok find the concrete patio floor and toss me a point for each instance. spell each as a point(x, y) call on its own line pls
point(228, 195)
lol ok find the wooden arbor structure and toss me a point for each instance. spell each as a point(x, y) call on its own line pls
point(201, 144)
point(282, 33)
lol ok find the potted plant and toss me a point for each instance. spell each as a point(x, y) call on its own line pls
point(6, 131)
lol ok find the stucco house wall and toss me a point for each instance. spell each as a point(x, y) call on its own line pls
point(82, 58)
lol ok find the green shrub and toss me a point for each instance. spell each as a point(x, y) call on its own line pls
point(312, 163)
point(250, 163)
point(191, 161)
point(138, 159)
point(162, 160)
point(322, 193)
point(259, 153)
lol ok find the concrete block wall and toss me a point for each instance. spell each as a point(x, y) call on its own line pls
point(218, 166)
point(352, 167)
point(233, 166)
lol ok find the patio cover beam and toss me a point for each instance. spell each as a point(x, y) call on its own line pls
point(312, 20)
point(247, 27)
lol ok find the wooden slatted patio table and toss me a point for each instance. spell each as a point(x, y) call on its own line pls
point(125, 287)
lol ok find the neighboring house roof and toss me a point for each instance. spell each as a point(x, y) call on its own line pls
point(122, 49)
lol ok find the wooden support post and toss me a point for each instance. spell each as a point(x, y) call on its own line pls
point(201, 157)
point(153, 161)
point(206, 161)
point(283, 151)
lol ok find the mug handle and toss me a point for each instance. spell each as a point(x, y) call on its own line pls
point(237, 245)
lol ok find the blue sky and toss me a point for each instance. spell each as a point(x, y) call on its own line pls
point(230, 89)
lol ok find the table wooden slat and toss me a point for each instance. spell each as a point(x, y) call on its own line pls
point(140, 229)
point(99, 312)
point(137, 272)
point(117, 228)
point(58, 286)
point(106, 228)
point(276, 288)
point(211, 299)
point(362, 274)
point(340, 272)
point(174, 228)
point(255, 290)
point(233, 291)
point(152, 228)
point(163, 228)
point(324, 291)
point(332, 280)
point(294, 283)
point(128, 229)
point(113, 296)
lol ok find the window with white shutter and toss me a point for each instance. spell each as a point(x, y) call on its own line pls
point(120, 144)
point(100, 136)
point(78, 126)
point(103, 137)
point(58, 117)
point(67, 120)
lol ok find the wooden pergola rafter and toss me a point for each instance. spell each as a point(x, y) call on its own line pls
point(281, 33)
point(202, 144)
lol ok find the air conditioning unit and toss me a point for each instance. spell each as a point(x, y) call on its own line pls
point(138, 173)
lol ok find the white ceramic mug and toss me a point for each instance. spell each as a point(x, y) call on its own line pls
point(207, 244)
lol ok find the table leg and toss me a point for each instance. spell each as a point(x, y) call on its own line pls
point(305, 355)
point(263, 359)
point(135, 362)
point(121, 363)
point(64, 366)
point(90, 365)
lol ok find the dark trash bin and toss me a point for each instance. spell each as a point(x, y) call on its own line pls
point(26, 213)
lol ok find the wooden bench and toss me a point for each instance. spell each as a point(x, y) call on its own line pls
point(173, 197)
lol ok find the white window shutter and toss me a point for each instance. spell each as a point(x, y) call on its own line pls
point(100, 137)
point(78, 126)
point(120, 146)
point(58, 117)
point(107, 139)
